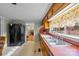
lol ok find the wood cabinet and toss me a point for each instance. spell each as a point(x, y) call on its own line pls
point(2, 41)
point(50, 13)
point(44, 48)
point(46, 25)
point(0, 51)
point(53, 10)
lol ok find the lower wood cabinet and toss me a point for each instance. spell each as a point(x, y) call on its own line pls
point(44, 48)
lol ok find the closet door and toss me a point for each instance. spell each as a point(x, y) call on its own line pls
point(16, 34)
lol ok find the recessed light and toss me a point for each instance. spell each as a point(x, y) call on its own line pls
point(14, 3)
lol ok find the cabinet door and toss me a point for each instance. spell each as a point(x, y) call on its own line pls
point(44, 49)
point(0, 51)
point(0, 26)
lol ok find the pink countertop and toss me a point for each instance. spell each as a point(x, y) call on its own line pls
point(70, 50)
point(61, 50)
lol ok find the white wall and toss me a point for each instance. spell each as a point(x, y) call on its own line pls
point(37, 25)
point(3, 26)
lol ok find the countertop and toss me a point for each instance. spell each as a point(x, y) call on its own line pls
point(68, 50)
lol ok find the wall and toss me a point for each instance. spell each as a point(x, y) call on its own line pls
point(3, 26)
point(37, 25)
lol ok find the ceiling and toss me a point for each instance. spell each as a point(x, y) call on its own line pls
point(24, 11)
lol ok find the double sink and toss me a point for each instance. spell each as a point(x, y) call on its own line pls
point(54, 41)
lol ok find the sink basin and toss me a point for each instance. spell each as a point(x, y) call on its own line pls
point(53, 41)
point(56, 42)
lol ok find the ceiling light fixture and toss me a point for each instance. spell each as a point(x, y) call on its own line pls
point(14, 3)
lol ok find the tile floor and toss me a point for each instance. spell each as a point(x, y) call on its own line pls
point(29, 49)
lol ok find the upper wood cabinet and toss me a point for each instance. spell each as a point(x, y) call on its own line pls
point(54, 9)
point(45, 19)
point(50, 13)
point(46, 24)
